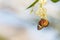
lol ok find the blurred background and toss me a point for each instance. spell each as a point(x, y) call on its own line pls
point(16, 23)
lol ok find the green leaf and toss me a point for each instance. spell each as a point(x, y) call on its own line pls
point(32, 4)
point(55, 1)
point(31, 11)
point(2, 38)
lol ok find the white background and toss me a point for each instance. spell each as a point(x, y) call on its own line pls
point(13, 15)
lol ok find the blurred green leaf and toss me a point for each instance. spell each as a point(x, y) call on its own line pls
point(31, 11)
point(2, 38)
point(55, 1)
point(32, 4)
